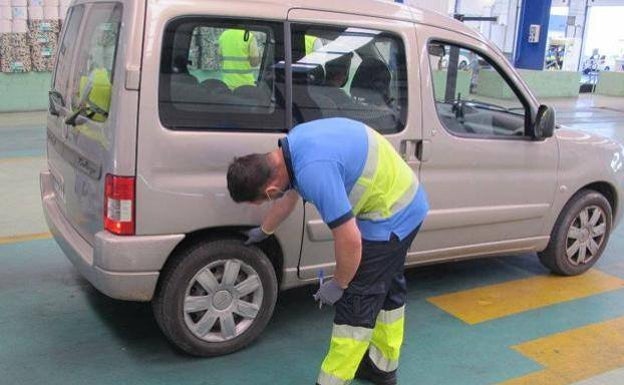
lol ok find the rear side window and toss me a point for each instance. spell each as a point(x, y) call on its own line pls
point(222, 74)
point(349, 72)
point(95, 62)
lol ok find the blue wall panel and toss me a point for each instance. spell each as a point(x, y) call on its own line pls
point(531, 55)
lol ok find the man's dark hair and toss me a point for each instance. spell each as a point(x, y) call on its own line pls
point(247, 175)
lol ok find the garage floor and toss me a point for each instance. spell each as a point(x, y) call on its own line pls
point(493, 321)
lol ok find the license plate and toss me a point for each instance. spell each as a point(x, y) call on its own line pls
point(58, 186)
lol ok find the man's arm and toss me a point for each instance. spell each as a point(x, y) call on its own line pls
point(348, 251)
point(280, 210)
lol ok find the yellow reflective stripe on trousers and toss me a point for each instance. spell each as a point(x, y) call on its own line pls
point(354, 332)
point(386, 185)
point(385, 348)
point(347, 347)
point(382, 362)
point(390, 316)
point(328, 379)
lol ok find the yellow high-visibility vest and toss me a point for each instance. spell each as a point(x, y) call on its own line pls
point(236, 70)
point(387, 184)
point(310, 41)
point(99, 98)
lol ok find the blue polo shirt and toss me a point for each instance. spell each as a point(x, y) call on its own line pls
point(324, 159)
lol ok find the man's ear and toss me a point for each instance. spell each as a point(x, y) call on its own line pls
point(271, 187)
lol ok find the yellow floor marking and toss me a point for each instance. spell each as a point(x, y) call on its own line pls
point(496, 301)
point(574, 355)
point(23, 238)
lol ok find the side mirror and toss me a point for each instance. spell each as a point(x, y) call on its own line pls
point(436, 49)
point(544, 126)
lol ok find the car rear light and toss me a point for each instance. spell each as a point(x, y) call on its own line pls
point(119, 201)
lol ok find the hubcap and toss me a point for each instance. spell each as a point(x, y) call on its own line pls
point(222, 300)
point(586, 235)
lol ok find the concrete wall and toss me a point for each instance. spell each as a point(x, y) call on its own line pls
point(24, 91)
point(439, 82)
point(611, 84)
point(544, 84)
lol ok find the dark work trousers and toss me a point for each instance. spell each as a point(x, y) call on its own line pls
point(370, 315)
point(378, 284)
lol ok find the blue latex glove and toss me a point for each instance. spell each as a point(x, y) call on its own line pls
point(256, 235)
point(329, 293)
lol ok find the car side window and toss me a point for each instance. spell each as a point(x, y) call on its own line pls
point(349, 72)
point(473, 97)
point(67, 47)
point(222, 74)
point(95, 63)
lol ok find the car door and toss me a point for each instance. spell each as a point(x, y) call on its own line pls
point(490, 184)
point(332, 55)
point(83, 142)
point(195, 119)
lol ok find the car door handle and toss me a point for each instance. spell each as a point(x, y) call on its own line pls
point(414, 150)
point(423, 150)
point(408, 150)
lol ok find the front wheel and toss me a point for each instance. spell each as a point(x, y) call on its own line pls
point(580, 234)
point(215, 297)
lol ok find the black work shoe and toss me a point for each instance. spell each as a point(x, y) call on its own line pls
point(369, 372)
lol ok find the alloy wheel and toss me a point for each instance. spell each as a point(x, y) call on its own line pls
point(586, 235)
point(222, 300)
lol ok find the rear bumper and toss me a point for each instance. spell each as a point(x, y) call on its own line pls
point(122, 267)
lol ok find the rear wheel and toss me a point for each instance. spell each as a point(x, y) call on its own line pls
point(216, 297)
point(580, 234)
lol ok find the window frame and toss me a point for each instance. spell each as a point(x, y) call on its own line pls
point(286, 28)
point(528, 119)
point(215, 21)
point(70, 18)
point(82, 38)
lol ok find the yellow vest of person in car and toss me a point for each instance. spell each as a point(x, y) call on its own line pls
point(98, 100)
point(310, 44)
point(239, 55)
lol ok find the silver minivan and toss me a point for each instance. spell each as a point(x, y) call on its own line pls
point(151, 100)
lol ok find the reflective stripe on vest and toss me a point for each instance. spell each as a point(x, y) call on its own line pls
point(387, 184)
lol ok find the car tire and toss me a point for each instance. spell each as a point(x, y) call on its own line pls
point(580, 234)
point(215, 297)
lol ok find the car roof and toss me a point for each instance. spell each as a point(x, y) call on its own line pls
point(386, 9)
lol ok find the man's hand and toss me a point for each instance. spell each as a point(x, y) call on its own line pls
point(329, 293)
point(256, 235)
